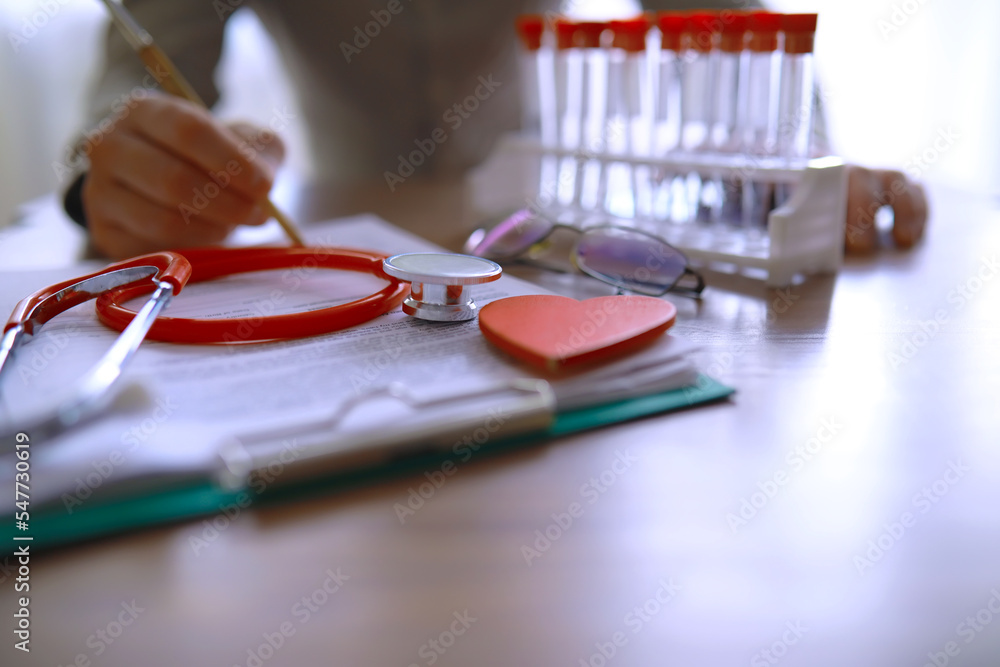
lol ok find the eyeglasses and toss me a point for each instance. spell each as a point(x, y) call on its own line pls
point(629, 259)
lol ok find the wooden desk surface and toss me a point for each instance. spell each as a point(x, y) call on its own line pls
point(841, 509)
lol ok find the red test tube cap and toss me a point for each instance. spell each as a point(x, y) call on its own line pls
point(671, 28)
point(565, 30)
point(701, 28)
point(530, 28)
point(588, 33)
point(764, 28)
point(800, 32)
point(734, 30)
point(630, 34)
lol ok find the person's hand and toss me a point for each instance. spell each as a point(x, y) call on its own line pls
point(868, 190)
point(166, 174)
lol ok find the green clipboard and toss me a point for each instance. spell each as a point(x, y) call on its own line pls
point(54, 525)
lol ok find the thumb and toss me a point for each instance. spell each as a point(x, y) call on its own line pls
point(863, 202)
point(909, 208)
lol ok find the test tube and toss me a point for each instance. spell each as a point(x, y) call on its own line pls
point(699, 82)
point(540, 118)
point(595, 102)
point(630, 110)
point(730, 106)
point(796, 106)
point(761, 131)
point(700, 86)
point(762, 85)
point(730, 111)
point(668, 203)
point(795, 109)
point(581, 80)
point(569, 106)
point(529, 29)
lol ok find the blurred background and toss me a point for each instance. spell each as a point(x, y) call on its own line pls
point(906, 83)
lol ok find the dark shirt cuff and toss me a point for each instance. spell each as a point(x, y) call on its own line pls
point(73, 201)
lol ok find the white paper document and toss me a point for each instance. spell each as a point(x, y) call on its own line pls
point(187, 399)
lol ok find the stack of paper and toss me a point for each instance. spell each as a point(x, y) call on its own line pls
point(212, 410)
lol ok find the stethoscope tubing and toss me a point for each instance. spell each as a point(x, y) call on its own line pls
point(210, 263)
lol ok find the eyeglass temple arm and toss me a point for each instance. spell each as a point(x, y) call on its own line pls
point(694, 292)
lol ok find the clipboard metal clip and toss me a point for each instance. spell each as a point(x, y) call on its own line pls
point(435, 423)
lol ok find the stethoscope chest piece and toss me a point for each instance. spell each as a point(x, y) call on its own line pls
point(441, 283)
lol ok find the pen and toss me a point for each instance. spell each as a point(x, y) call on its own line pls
point(174, 83)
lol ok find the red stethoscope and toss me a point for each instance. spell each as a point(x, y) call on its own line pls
point(211, 263)
point(165, 274)
point(439, 290)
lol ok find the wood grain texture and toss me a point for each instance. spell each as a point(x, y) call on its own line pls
point(840, 509)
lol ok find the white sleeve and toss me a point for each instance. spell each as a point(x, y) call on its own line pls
point(190, 32)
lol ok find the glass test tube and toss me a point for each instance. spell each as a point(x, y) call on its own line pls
point(569, 106)
point(795, 109)
point(761, 131)
point(581, 75)
point(668, 193)
point(539, 116)
point(730, 112)
point(700, 85)
point(730, 104)
point(796, 103)
point(629, 119)
point(699, 81)
point(529, 29)
point(595, 101)
point(764, 73)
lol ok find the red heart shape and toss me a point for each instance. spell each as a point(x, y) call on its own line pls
point(556, 331)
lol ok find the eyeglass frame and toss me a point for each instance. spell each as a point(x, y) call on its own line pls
point(674, 288)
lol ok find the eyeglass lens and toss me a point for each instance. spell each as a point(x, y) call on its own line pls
point(514, 235)
point(629, 259)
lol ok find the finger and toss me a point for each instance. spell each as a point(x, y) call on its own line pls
point(268, 144)
point(193, 135)
point(909, 208)
point(115, 242)
point(164, 179)
point(863, 203)
point(112, 208)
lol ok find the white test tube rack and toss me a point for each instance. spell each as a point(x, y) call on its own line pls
point(804, 236)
